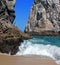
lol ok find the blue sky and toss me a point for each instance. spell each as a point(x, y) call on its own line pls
point(22, 11)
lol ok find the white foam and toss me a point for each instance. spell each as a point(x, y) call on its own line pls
point(27, 48)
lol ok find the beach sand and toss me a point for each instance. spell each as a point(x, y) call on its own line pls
point(26, 60)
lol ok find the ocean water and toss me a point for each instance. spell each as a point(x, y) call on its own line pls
point(41, 45)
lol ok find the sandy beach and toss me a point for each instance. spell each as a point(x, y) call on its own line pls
point(25, 60)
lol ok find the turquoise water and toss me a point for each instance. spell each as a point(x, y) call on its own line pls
point(41, 45)
point(52, 40)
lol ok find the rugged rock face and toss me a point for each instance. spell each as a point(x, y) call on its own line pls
point(10, 36)
point(44, 18)
point(7, 10)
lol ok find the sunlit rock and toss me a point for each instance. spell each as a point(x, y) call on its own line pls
point(44, 18)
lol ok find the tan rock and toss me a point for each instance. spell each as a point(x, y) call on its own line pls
point(44, 16)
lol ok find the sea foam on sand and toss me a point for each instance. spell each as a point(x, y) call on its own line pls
point(27, 48)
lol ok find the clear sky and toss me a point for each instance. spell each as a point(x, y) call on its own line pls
point(22, 11)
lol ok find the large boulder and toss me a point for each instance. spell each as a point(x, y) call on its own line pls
point(44, 17)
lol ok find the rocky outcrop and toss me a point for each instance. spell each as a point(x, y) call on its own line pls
point(7, 10)
point(10, 36)
point(44, 18)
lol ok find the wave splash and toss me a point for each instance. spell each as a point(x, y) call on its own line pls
point(27, 48)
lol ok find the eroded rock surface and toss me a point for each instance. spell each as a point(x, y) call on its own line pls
point(44, 18)
point(10, 36)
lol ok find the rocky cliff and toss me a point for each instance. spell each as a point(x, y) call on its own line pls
point(10, 36)
point(44, 18)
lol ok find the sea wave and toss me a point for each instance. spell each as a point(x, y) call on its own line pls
point(27, 48)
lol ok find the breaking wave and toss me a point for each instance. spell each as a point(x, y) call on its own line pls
point(30, 47)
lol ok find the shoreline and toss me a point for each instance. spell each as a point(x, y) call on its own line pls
point(26, 60)
point(44, 33)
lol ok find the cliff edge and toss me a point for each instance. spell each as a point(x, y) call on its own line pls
point(44, 18)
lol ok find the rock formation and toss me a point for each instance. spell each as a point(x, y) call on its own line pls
point(10, 36)
point(44, 18)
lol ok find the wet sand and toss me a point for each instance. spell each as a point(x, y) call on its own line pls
point(25, 60)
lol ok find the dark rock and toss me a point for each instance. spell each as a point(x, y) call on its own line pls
point(10, 36)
